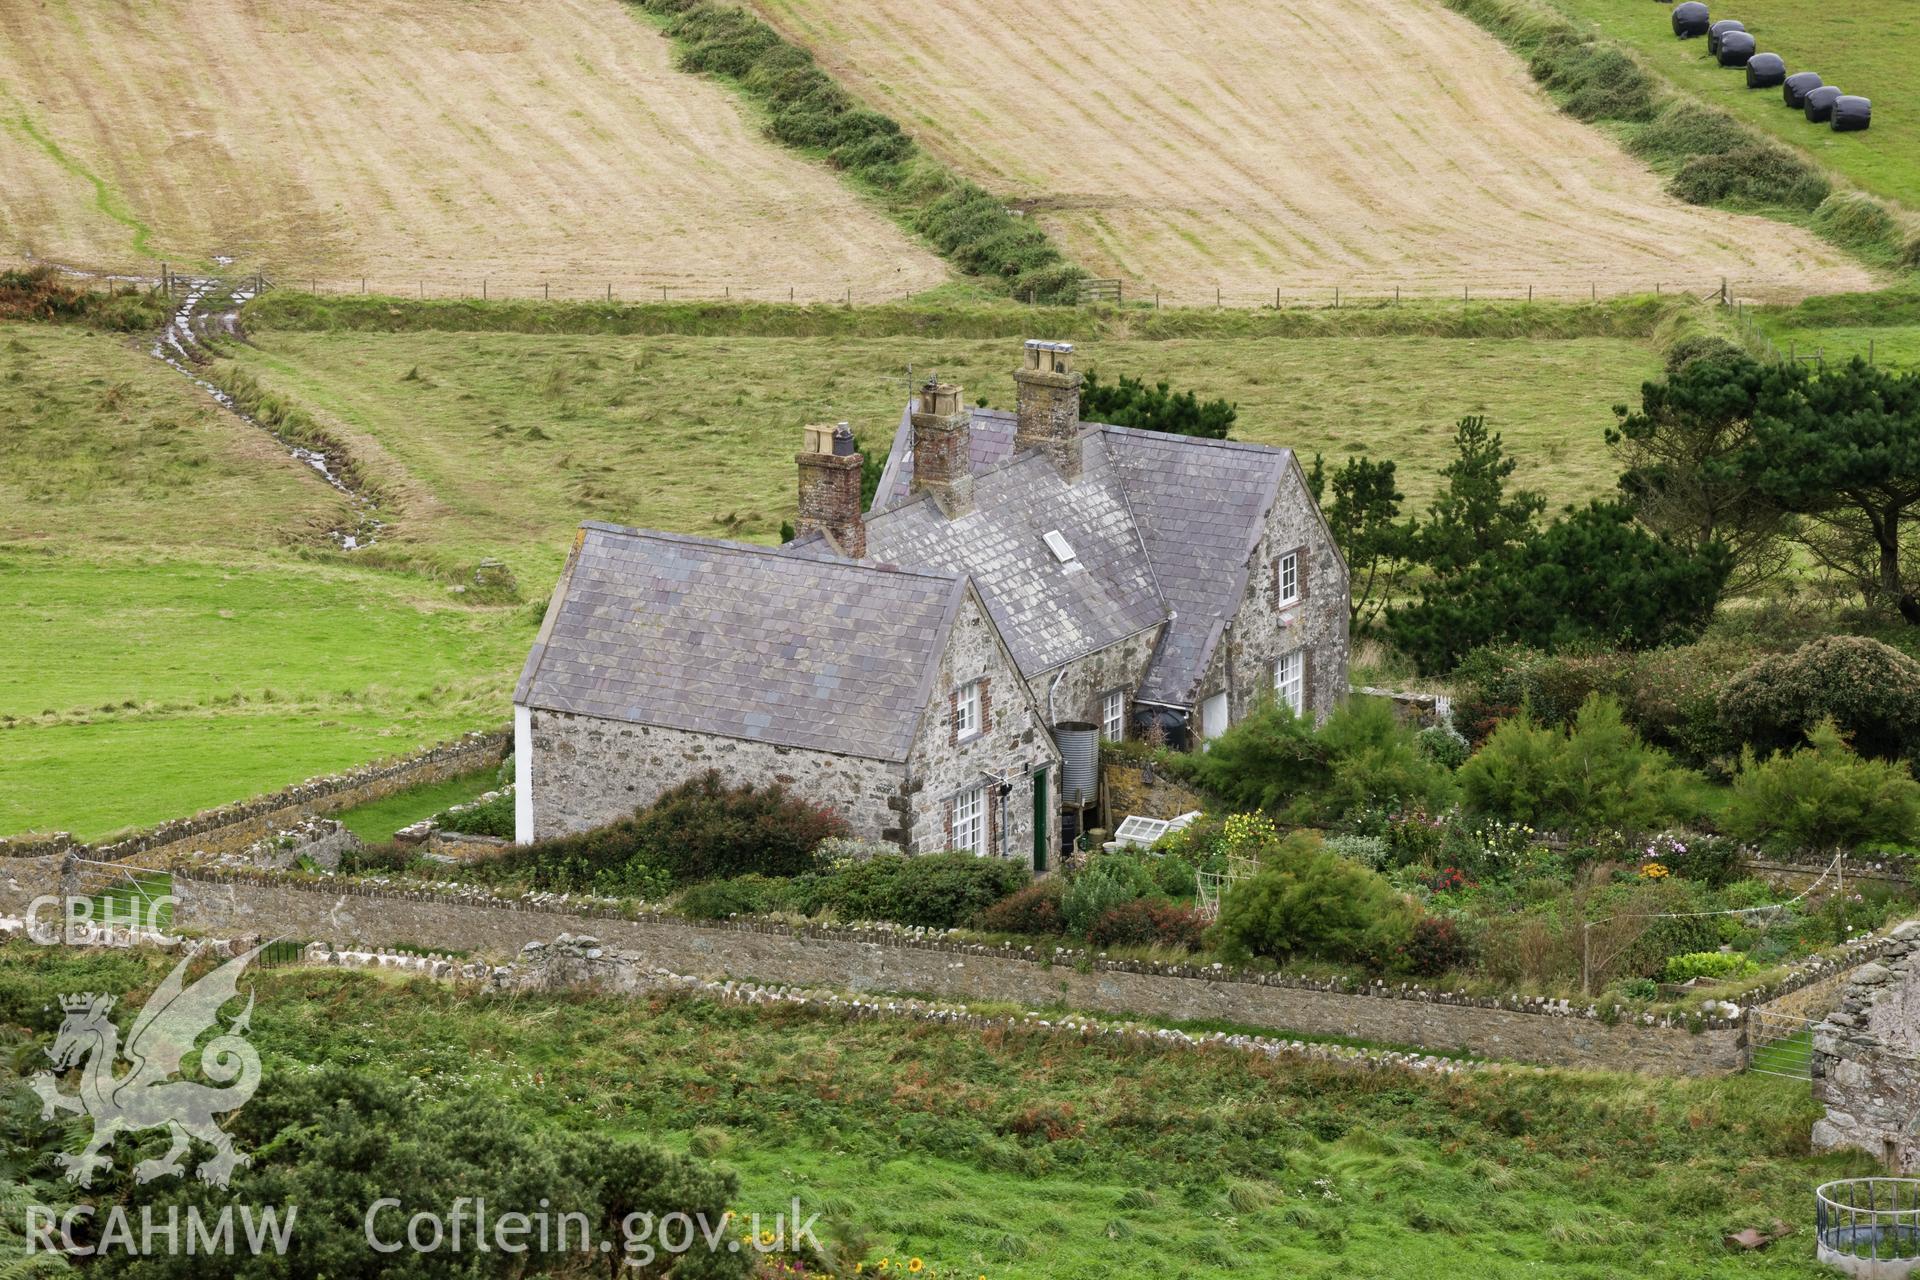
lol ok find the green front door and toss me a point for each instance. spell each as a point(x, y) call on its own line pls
point(1042, 820)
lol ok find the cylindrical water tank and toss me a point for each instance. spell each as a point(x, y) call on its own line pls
point(1765, 70)
point(1721, 28)
point(1851, 113)
point(1080, 761)
point(1819, 105)
point(1690, 19)
point(1735, 48)
point(1794, 88)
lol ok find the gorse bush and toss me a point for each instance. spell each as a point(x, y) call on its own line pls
point(806, 109)
point(1309, 904)
point(1595, 775)
point(1870, 690)
point(1822, 797)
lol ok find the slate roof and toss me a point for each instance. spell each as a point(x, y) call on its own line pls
point(1047, 612)
point(742, 641)
point(1196, 508)
point(1201, 506)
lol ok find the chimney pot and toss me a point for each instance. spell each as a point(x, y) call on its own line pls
point(830, 488)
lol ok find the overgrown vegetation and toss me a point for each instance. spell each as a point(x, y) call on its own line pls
point(807, 110)
point(1822, 797)
point(42, 293)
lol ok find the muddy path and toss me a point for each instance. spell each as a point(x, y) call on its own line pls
point(209, 312)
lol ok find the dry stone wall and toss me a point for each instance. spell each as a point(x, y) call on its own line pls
point(1866, 1059)
point(1521, 1029)
point(232, 828)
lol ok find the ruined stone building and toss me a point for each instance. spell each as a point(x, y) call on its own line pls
point(1098, 581)
point(1866, 1059)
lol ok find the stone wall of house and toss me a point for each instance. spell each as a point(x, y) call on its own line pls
point(24, 879)
point(232, 828)
point(1866, 1059)
point(587, 772)
point(1261, 632)
point(1013, 745)
point(1085, 680)
point(1523, 1029)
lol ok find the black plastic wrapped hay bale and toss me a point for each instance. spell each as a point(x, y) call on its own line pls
point(1766, 71)
point(1719, 29)
point(1735, 48)
point(1851, 114)
point(1819, 106)
point(1797, 86)
point(1690, 19)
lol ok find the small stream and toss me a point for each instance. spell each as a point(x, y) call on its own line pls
point(181, 345)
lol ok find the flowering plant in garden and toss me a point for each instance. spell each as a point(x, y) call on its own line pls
point(1448, 880)
point(1653, 871)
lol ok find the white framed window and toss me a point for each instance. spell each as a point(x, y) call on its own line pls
point(1289, 680)
point(966, 711)
point(1289, 576)
point(1113, 715)
point(970, 822)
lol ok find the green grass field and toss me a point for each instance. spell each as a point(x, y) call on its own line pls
point(1883, 328)
point(184, 635)
point(1022, 1155)
point(1864, 48)
point(376, 821)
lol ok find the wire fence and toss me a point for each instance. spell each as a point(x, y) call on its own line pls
point(1105, 292)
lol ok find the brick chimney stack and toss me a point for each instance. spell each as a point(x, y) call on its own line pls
point(943, 448)
point(830, 488)
point(1048, 406)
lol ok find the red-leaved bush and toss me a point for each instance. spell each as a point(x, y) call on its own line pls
point(1147, 923)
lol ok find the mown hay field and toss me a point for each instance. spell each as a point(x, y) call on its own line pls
point(1866, 48)
point(1302, 146)
point(157, 554)
point(428, 144)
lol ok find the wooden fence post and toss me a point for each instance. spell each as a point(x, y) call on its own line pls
point(1336, 297)
point(546, 291)
point(1529, 293)
point(483, 288)
point(363, 284)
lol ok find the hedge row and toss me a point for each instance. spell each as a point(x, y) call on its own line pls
point(806, 110)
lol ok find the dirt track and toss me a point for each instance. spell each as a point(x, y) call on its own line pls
point(1300, 144)
point(411, 140)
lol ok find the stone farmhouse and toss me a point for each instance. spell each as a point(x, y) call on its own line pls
point(939, 666)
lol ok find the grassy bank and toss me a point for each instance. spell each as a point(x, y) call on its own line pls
point(1717, 142)
point(1023, 1155)
point(1881, 327)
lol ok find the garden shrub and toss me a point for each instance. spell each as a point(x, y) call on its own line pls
point(1313, 905)
point(1436, 945)
point(1821, 797)
point(1362, 756)
point(1870, 690)
point(934, 891)
point(1107, 881)
point(702, 829)
point(748, 895)
point(1443, 746)
point(1147, 923)
point(1597, 774)
point(1032, 910)
point(487, 818)
point(838, 849)
point(378, 859)
point(1172, 875)
point(1712, 965)
point(1371, 852)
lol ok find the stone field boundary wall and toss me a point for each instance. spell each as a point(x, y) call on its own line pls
point(231, 828)
point(1521, 1029)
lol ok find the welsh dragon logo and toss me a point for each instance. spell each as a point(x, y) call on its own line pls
point(147, 1096)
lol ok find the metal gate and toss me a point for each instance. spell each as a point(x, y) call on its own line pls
point(1778, 1045)
point(125, 895)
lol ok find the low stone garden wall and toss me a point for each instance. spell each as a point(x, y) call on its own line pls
point(232, 828)
point(874, 959)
